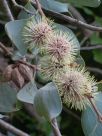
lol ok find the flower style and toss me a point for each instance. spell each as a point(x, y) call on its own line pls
point(74, 86)
point(37, 32)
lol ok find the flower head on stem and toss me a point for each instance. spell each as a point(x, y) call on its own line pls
point(37, 32)
point(60, 47)
point(74, 86)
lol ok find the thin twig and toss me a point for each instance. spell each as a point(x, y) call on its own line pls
point(76, 14)
point(28, 64)
point(12, 129)
point(71, 113)
point(7, 9)
point(71, 20)
point(91, 48)
point(6, 51)
point(39, 8)
point(22, 7)
point(96, 70)
point(99, 115)
point(32, 112)
point(55, 127)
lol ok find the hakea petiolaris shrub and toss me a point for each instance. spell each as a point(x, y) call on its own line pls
point(56, 73)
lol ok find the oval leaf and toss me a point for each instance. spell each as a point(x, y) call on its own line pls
point(7, 98)
point(90, 123)
point(47, 101)
point(23, 14)
point(54, 5)
point(14, 31)
point(27, 93)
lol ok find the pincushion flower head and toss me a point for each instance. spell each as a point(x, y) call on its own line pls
point(49, 68)
point(37, 31)
point(60, 47)
point(74, 86)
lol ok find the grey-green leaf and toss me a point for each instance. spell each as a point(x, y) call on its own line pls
point(23, 14)
point(27, 93)
point(47, 101)
point(90, 123)
point(7, 98)
point(14, 31)
point(54, 5)
point(89, 3)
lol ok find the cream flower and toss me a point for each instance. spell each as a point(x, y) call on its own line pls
point(37, 32)
point(60, 48)
point(74, 86)
point(50, 68)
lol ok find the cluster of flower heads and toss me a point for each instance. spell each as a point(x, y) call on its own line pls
point(74, 84)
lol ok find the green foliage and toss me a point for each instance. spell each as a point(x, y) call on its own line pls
point(14, 31)
point(54, 5)
point(27, 93)
point(90, 122)
point(7, 98)
point(47, 101)
point(24, 15)
point(98, 56)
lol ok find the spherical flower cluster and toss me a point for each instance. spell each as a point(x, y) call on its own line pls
point(74, 87)
point(37, 32)
point(60, 48)
point(50, 68)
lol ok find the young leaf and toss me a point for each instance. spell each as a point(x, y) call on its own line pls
point(7, 98)
point(90, 123)
point(47, 101)
point(27, 93)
